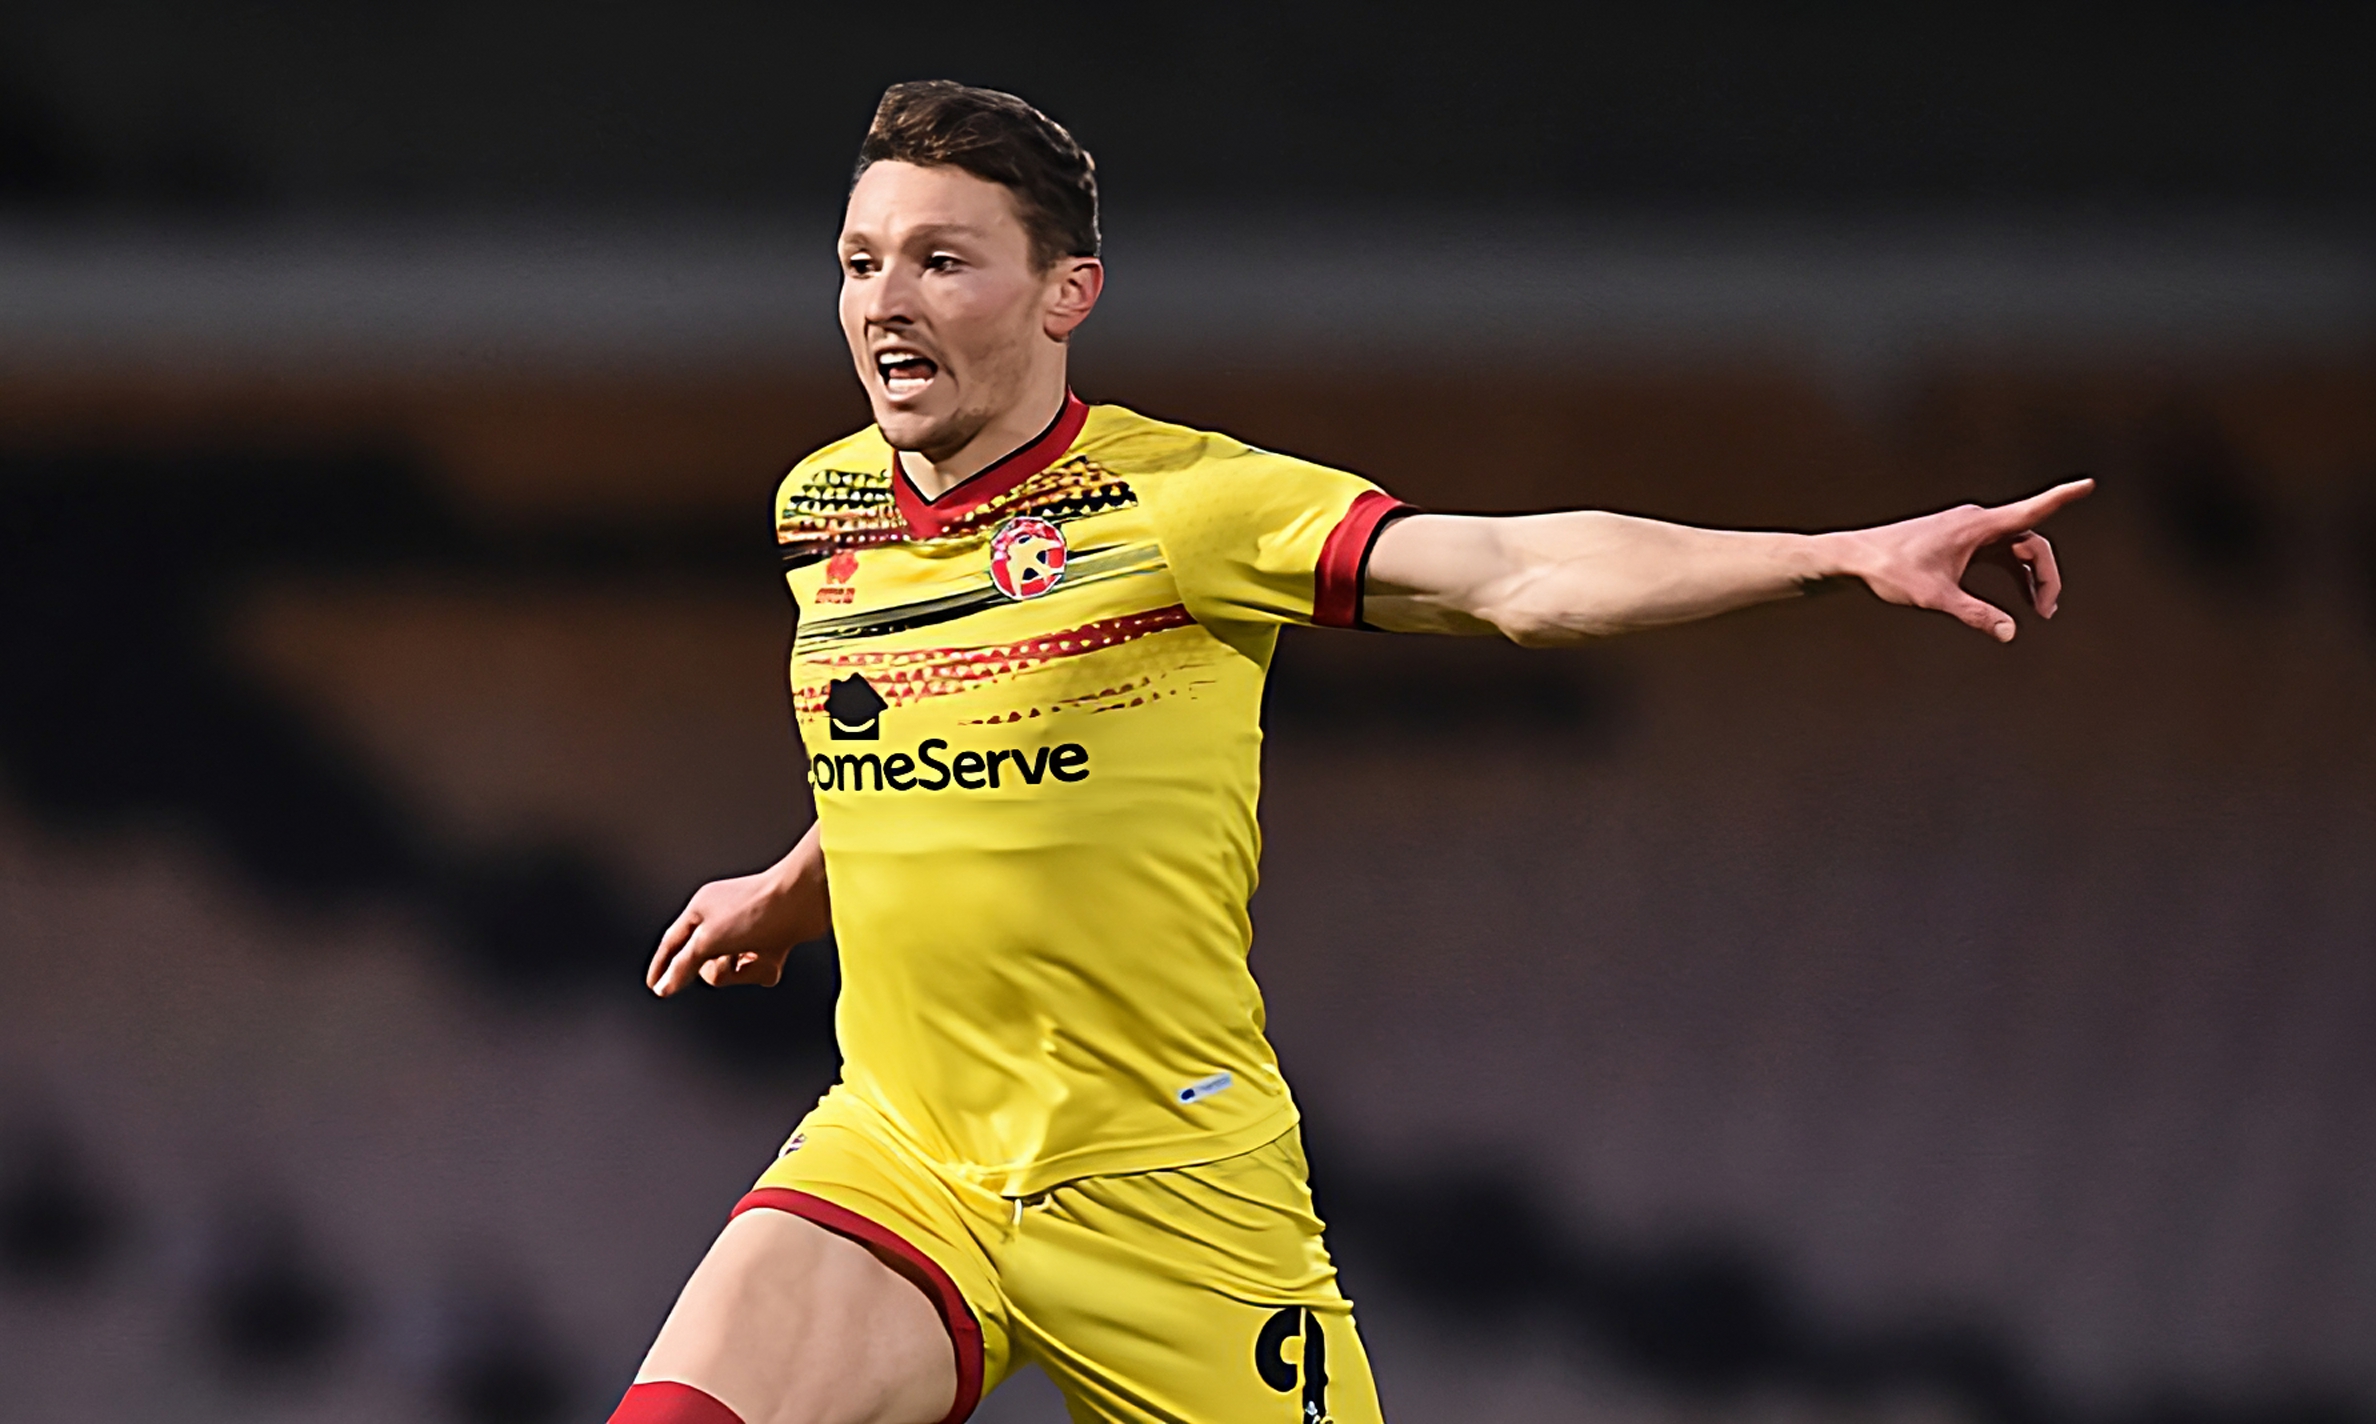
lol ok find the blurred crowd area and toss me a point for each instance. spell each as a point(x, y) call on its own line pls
point(1822, 1011)
point(1818, 1015)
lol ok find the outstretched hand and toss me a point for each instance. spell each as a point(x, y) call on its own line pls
point(1920, 563)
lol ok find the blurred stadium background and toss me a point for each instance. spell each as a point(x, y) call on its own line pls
point(1817, 1015)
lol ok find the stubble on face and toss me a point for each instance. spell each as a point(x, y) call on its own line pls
point(990, 382)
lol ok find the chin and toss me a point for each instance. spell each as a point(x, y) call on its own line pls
point(925, 431)
point(908, 429)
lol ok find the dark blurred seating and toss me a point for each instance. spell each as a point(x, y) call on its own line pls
point(1823, 1001)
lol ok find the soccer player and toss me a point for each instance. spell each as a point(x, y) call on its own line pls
point(1028, 672)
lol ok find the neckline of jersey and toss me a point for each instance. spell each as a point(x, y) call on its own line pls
point(930, 518)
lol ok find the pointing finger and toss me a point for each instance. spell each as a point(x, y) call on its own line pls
point(2021, 514)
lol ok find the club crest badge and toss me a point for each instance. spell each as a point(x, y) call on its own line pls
point(1027, 557)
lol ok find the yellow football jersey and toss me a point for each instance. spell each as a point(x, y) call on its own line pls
point(1032, 709)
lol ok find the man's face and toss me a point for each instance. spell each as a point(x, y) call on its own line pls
point(945, 311)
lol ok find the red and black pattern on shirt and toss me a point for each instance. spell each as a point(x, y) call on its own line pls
point(1074, 489)
point(833, 510)
point(836, 510)
point(915, 674)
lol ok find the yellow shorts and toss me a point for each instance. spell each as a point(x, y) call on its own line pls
point(1197, 1295)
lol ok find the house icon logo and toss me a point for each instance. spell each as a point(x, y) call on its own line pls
point(855, 709)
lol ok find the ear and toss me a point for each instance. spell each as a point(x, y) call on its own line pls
point(1072, 291)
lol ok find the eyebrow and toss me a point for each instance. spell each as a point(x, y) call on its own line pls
point(937, 230)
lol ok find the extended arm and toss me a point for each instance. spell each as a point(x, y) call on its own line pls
point(1544, 580)
point(739, 931)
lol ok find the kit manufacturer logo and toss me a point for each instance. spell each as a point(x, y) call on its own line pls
point(839, 571)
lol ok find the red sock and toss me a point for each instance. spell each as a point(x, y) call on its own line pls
point(667, 1402)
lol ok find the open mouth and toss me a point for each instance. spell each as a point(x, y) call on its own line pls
point(905, 372)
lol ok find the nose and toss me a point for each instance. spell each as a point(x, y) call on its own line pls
point(890, 298)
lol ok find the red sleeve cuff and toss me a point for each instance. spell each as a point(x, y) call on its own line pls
point(1344, 559)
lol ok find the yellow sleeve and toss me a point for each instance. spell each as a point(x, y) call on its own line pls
point(1254, 537)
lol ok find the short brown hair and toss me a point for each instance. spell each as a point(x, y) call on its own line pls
point(998, 137)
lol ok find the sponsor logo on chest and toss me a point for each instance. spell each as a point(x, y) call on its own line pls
point(935, 767)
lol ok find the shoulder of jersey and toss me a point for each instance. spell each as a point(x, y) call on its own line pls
point(863, 450)
point(1134, 446)
point(838, 498)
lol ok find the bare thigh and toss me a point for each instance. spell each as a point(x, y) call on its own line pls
point(785, 1322)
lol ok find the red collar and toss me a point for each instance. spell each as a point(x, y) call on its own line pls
point(931, 518)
